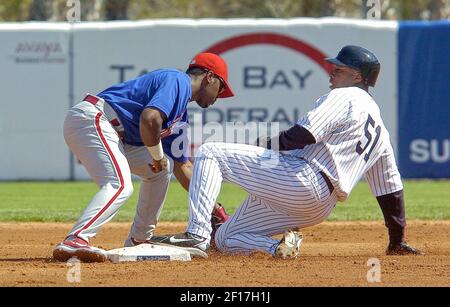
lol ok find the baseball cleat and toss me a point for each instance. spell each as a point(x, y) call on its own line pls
point(289, 247)
point(402, 249)
point(79, 248)
point(192, 243)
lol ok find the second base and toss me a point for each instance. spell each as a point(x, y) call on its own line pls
point(148, 252)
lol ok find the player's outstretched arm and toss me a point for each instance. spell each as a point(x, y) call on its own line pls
point(183, 173)
point(296, 137)
point(150, 124)
point(393, 207)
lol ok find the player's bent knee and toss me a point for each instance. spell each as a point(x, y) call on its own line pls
point(210, 149)
point(204, 150)
point(220, 239)
point(164, 175)
point(127, 190)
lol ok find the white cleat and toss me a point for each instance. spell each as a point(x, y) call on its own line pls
point(79, 248)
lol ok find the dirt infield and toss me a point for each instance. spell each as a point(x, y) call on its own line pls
point(333, 254)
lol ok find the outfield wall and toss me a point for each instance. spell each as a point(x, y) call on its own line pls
point(34, 71)
point(276, 69)
point(424, 99)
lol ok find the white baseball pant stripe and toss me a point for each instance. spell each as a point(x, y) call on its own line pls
point(93, 140)
point(285, 192)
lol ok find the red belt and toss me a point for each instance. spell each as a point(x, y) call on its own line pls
point(115, 122)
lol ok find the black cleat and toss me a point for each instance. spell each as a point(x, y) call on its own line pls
point(192, 243)
point(402, 249)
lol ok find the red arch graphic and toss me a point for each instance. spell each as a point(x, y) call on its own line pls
point(272, 39)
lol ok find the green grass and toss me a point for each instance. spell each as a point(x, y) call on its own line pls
point(64, 201)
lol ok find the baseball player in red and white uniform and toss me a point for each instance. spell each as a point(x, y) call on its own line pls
point(133, 127)
point(300, 175)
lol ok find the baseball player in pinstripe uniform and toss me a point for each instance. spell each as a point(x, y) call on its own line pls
point(300, 175)
point(132, 127)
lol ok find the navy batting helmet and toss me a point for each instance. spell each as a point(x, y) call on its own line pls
point(360, 59)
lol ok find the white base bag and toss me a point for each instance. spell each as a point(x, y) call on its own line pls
point(148, 252)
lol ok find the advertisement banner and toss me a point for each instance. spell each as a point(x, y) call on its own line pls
point(276, 70)
point(276, 67)
point(34, 78)
point(424, 99)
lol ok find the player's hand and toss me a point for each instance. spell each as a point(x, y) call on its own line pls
point(160, 165)
point(402, 249)
point(263, 141)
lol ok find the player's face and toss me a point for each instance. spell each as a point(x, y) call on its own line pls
point(212, 87)
point(343, 76)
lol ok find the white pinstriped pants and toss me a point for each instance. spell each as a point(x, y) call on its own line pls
point(284, 192)
point(93, 140)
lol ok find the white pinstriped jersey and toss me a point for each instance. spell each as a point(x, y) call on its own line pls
point(351, 141)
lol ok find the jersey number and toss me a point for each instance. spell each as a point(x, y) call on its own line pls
point(359, 148)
